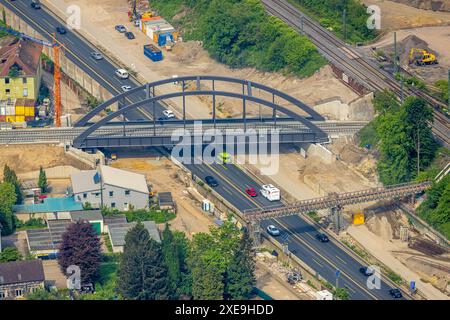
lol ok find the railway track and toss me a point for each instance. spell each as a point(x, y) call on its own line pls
point(344, 56)
point(69, 134)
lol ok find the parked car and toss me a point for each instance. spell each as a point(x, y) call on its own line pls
point(273, 231)
point(129, 35)
point(322, 237)
point(366, 271)
point(396, 293)
point(96, 55)
point(122, 73)
point(126, 88)
point(61, 30)
point(120, 28)
point(251, 192)
point(35, 4)
point(168, 114)
point(211, 181)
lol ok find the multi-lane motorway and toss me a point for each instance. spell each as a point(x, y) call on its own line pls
point(299, 234)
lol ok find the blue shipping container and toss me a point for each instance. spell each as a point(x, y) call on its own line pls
point(164, 38)
point(152, 52)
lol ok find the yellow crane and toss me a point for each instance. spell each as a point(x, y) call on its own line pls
point(423, 58)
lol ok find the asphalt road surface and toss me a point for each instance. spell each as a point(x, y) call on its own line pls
point(325, 258)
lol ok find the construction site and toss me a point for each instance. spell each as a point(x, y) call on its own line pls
point(383, 229)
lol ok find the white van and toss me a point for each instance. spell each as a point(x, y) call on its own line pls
point(122, 73)
point(271, 193)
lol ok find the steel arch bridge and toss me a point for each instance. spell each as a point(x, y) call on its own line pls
point(157, 133)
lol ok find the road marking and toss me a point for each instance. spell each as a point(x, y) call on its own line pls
point(317, 262)
point(340, 259)
point(324, 259)
point(298, 238)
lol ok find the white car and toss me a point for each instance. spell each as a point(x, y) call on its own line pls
point(126, 88)
point(168, 114)
point(273, 231)
point(122, 73)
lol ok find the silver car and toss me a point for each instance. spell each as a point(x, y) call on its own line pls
point(96, 55)
point(273, 231)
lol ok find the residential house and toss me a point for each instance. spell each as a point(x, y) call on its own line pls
point(20, 70)
point(19, 278)
point(110, 187)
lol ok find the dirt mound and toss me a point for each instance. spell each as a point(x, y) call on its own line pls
point(189, 51)
point(404, 47)
point(435, 5)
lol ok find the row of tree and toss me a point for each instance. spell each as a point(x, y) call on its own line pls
point(436, 207)
point(11, 194)
point(214, 266)
point(239, 33)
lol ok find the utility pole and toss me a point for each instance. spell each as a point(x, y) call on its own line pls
point(395, 53)
point(301, 24)
point(345, 24)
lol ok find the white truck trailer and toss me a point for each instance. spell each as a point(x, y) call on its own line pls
point(271, 193)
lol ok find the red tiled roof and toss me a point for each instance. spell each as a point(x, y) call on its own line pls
point(23, 53)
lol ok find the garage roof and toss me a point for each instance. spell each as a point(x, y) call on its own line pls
point(119, 231)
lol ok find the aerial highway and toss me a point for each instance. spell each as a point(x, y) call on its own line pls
point(297, 232)
point(353, 63)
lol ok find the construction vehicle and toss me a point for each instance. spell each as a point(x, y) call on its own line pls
point(421, 57)
point(57, 70)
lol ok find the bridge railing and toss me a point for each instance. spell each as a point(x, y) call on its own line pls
point(337, 200)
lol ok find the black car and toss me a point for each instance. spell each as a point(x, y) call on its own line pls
point(129, 35)
point(396, 293)
point(35, 4)
point(61, 30)
point(322, 237)
point(211, 181)
point(366, 271)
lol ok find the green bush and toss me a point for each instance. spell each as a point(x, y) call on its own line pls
point(329, 13)
point(239, 33)
point(32, 223)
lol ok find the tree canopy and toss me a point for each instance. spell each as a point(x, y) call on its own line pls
point(80, 246)
point(10, 176)
point(142, 274)
point(7, 200)
point(240, 33)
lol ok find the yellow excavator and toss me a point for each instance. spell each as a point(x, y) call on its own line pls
point(421, 57)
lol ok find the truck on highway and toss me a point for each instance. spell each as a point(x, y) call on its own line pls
point(270, 192)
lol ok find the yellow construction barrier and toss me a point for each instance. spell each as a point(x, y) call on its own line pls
point(358, 218)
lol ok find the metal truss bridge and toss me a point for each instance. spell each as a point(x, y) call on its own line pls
point(337, 201)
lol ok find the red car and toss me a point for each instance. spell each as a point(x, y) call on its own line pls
point(251, 192)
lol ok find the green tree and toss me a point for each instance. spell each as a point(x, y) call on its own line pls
point(10, 176)
point(417, 118)
point(80, 246)
point(240, 274)
point(7, 200)
point(341, 294)
point(171, 258)
point(385, 101)
point(210, 256)
point(10, 254)
point(42, 183)
point(142, 274)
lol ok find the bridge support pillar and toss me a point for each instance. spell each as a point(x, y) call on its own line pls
point(255, 233)
point(336, 218)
